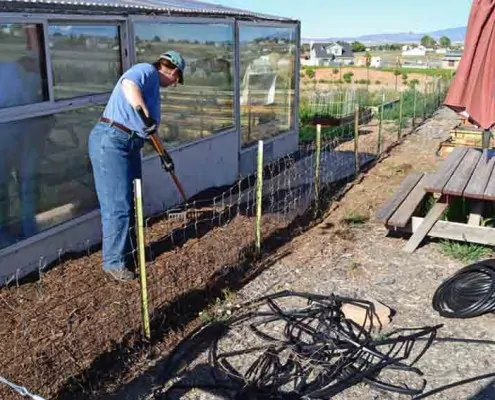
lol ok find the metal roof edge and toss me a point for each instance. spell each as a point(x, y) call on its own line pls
point(88, 7)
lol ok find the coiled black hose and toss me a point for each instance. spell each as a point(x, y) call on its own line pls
point(308, 352)
point(469, 293)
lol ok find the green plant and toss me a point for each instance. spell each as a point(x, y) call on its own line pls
point(348, 77)
point(463, 251)
point(335, 70)
point(404, 76)
point(413, 83)
point(220, 310)
point(355, 217)
point(310, 72)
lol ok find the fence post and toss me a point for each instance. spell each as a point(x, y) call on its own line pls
point(317, 165)
point(380, 127)
point(425, 94)
point(356, 138)
point(138, 201)
point(259, 196)
point(401, 100)
point(414, 108)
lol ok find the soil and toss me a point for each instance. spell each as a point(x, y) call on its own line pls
point(356, 257)
point(386, 79)
point(76, 328)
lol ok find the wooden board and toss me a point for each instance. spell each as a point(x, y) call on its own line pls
point(489, 193)
point(455, 231)
point(431, 218)
point(408, 184)
point(476, 214)
point(404, 212)
point(446, 169)
point(475, 188)
point(458, 181)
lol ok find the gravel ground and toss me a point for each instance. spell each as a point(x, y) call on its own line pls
point(362, 261)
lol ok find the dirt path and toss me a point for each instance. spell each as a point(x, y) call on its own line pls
point(359, 260)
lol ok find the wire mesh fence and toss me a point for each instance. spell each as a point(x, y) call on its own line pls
point(70, 330)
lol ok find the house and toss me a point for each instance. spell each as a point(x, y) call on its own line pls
point(330, 54)
point(375, 61)
point(409, 50)
point(59, 104)
point(451, 60)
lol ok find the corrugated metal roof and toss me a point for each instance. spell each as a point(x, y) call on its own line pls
point(136, 7)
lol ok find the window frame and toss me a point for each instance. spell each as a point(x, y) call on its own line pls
point(295, 112)
point(164, 19)
point(52, 106)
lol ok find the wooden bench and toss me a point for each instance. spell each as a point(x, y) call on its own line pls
point(400, 208)
point(463, 174)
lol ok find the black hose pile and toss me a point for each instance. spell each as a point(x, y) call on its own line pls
point(275, 350)
point(468, 293)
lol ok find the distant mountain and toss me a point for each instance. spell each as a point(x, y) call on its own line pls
point(455, 34)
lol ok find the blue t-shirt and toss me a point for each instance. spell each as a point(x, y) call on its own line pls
point(118, 109)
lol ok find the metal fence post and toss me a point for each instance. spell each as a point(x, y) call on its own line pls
point(138, 201)
point(380, 127)
point(259, 196)
point(317, 164)
point(401, 105)
point(414, 108)
point(425, 96)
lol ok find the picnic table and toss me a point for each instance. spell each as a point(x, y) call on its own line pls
point(466, 173)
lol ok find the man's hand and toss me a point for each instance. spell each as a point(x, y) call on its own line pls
point(150, 124)
point(167, 164)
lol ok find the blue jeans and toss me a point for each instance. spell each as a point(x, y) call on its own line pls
point(116, 160)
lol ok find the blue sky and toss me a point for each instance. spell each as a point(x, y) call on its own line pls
point(331, 18)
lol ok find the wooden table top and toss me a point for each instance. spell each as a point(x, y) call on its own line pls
point(465, 173)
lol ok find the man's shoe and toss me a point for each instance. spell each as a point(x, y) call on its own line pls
point(122, 274)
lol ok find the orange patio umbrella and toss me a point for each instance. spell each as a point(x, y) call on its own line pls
point(472, 91)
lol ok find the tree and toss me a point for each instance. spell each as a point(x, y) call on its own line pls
point(358, 47)
point(428, 41)
point(445, 42)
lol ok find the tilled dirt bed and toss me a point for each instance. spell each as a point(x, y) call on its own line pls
point(55, 328)
point(360, 260)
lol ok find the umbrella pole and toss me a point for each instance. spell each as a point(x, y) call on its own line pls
point(486, 143)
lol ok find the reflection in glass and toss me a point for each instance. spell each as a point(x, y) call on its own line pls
point(22, 65)
point(86, 59)
point(205, 104)
point(45, 173)
point(267, 64)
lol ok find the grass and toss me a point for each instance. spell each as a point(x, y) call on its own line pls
point(355, 218)
point(220, 310)
point(465, 252)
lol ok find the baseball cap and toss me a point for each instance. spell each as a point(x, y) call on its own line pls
point(176, 59)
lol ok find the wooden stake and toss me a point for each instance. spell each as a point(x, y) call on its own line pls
point(259, 196)
point(317, 163)
point(356, 139)
point(138, 201)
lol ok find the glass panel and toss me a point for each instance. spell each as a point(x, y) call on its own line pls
point(267, 63)
point(22, 65)
point(86, 59)
point(204, 105)
point(45, 175)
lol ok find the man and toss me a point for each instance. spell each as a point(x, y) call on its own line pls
point(114, 149)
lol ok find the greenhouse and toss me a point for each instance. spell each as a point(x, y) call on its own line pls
point(59, 62)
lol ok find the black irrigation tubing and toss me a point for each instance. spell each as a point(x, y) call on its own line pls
point(468, 293)
point(316, 355)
